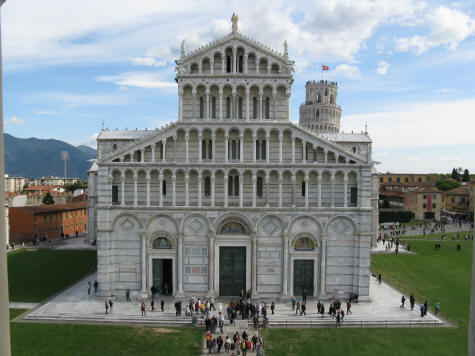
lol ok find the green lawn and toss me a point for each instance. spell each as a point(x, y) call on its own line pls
point(15, 312)
point(437, 236)
point(434, 275)
point(78, 339)
point(36, 275)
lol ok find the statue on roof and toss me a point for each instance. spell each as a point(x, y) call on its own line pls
point(183, 47)
point(286, 52)
point(234, 20)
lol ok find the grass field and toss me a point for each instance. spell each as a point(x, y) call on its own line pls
point(78, 339)
point(441, 275)
point(36, 275)
point(437, 236)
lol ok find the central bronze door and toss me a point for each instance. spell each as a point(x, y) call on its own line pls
point(232, 270)
point(303, 277)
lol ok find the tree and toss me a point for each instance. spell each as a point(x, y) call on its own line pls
point(48, 199)
point(455, 174)
point(446, 184)
point(466, 176)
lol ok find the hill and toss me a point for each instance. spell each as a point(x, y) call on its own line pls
point(33, 157)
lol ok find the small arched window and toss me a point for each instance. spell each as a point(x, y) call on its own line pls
point(164, 188)
point(228, 64)
point(240, 64)
point(202, 107)
point(259, 187)
point(207, 186)
point(303, 188)
point(266, 107)
point(254, 107)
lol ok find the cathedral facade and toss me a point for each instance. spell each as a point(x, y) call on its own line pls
point(233, 195)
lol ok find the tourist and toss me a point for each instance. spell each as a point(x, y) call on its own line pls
point(304, 296)
point(422, 310)
point(219, 342)
point(297, 309)
point(322, 310)
point(89, 285)
point(437, 306)
point(152, 304)
point(338, 319)
point(211, 304)
point(258, 349)
point(220, 308)
point(348, 308)
point(162, 305)
point(144, 312)
point(342, 315)
point(243, 348)
point(293, 303)
point(227, 344)
point(110, 306)
point(412, 301)
point(221, 322)
point(459, 248)
point(403, 301)
point(425, 307)
point(96, 287)
point(272, 308)
point(303, 309)
point(380, 277)
point(107, 306)
point(127, 294)
point(254, 342)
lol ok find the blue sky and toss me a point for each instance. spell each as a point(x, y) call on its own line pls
point(406, 68)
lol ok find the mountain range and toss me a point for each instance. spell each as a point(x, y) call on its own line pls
point(33, 158)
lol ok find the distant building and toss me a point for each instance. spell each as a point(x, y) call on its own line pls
point(51, 221)
point(404, 178)
point(52, 181)
point(425, 202)
point(14, 184)
point(458, 199)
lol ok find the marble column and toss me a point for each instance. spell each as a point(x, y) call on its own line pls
point(160, 179)
point(213, 147)
point(180, 103)
point(220, 103)
point(200, 147)
point(285, 272)
point(226, 146)
point(122, 189)
point(225, 189)
point(193, 95)
point(223, 63)
point(187, 139)
point(136, 177)
point(287, 94)
point(234, 60)
point(241, 147)
point(213, 178)
point(164, 150)
point(293, 179)
point(274, 98)
point(280, 190)
point(207, 115)
point(292, 138)
point(267, 180)
point(254, 143)
point(142, 155)
point(304, 151)
point(248, 92)
point(319, 190)
point(345, 191)
point(257, 65)
point(210, 263)
point(323, 258)
point(211, 66)
point(147, 179)
point(332, 179)
point(245, 63)
point(179, 263)
point(325, 153)
point(281, 140)
point(153, 152)
point(254, 192)
point(254, 264)
point(187, 181)
point(199, 189)
point(144, 262)
point(260, 105)
point(306, 191)
point(174, 189)
point(241, 193)
point(267, 146)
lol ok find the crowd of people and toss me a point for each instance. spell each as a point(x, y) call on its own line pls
point(238, 344)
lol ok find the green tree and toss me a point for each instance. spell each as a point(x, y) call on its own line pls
point(446, 184)
point(77, 185)
point(466, 176)
point(48, 199)
point(455, 174)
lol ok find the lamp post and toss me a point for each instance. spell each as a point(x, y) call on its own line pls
point(4, 312)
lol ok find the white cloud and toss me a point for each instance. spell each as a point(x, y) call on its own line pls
point(72, 100)
point(138, 79)
point(46, 112)
point(448, 28)
point(148, 62)
point(346, 71)
point(448, 158)
point(419, 124)
point(446, 90)
point(414, 159)
point(382, 68)
point(14, 121)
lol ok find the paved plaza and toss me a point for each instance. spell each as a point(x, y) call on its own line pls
point(75, 305)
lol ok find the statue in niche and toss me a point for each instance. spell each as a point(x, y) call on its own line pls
point(304, 244)
point(161, 242)
point(234, 20)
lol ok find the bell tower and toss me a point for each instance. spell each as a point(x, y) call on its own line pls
point(320, 113)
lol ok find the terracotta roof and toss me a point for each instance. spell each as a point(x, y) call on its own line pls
point(43, 187)
point(38, 209)
point(401, 184)
point(462, 190)
point(394, 193)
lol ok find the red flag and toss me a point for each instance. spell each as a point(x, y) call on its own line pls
point(325, 68)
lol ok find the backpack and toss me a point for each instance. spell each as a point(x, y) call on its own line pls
point(243, 345)
point(249, 345)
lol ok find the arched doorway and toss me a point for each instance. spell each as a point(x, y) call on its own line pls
point(162, 265)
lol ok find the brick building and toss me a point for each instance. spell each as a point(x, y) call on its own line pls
point(47, 221)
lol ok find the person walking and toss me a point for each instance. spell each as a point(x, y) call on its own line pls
point(127, 294)
point(89, 285)
point(338, 320)
point(96, 287)
point(243, 347)
point(143, 308)
point(426, 306)
point(380, 277)
point(303, 309)
point(297, 309)
point(437, 306)
point(403, 301)
point(162, 305)
point(106, 306)
point(211, 304)
point(422, 310)
point(272, 308)
point(152, 305)
point(293, 303)
point(348, 308)
point(110, 306)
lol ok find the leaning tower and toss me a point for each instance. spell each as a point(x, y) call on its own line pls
point(320, 113)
